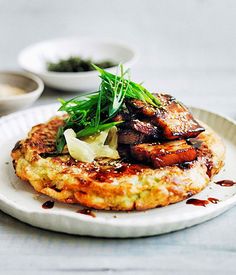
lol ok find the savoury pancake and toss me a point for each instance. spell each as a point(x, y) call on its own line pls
point(113, 184)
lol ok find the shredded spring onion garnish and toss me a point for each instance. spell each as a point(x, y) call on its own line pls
point(93, 113)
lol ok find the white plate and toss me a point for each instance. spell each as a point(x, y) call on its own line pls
point(19, 200)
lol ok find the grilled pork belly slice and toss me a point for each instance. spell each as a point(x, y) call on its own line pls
point(145, 127)
point(140, 107)
point(173, 119)
point(136, 131)
point(130, 136)
point(168, 153)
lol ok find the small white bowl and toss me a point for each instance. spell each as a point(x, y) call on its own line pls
point(30, 84)
point(35, 57)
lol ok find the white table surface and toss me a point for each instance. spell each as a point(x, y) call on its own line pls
point(187, 48)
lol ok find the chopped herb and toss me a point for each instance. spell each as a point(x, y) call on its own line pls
point(76, 64)
point(60, 140)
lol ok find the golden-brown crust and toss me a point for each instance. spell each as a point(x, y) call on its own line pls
point(109, 184)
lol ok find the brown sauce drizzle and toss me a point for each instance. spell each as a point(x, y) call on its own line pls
point(48, 205)
point(197, 202)
point(226, 183)
point(87, 211)
point(213, 200)
point(107, 174)
point(209, 165)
